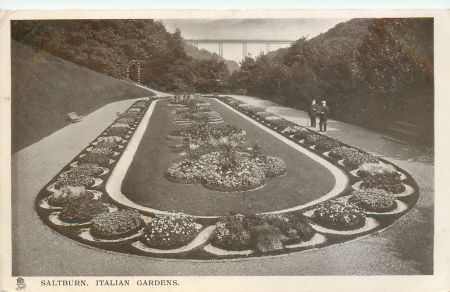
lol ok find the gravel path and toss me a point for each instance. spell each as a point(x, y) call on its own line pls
point(404, 248)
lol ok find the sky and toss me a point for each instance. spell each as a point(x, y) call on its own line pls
point(275, 29)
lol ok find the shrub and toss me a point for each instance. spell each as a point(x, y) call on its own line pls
point(268, 238)
point(128, 121)
point(232, 233)
point(74, 178)
point(81, 211)
point(67, 194)
point(339, 215)
point(170, 231)
point(116, 224)
point(373, 200)
point(117, 131)
point(386, 182)
point(379, 168)
point(107, 144)
point(327, 144)
point(96, 158)
point(341, 152)
point(355, 159)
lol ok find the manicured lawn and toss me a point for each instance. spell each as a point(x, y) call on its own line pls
point(146, 184)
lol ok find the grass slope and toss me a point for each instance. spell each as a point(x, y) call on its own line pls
point(45, 88)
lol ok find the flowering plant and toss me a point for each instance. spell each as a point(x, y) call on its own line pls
point(339, 215)
point(128, 121)
point(73, 178)
point(107, 144)
point(355, 159)
point(377, 168)
point(117, 131)
point(115, 139)
point(292, 129)
point(67, 194)
point(102, 150)
point(170, 231)
point(342, 152)
point(80, 211)
point(116, 224)
point(327, 144)
point(96, 158)
point(373, 200)
point(388, 183)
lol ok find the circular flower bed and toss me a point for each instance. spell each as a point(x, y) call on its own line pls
point(222, 174)
point(170, 231)
point(339, 215)
point(73, 178)
point(116, 224)
point(82, 210)
point(386, 182)
point(373, 200)
point(67, 194)
point(96, 158)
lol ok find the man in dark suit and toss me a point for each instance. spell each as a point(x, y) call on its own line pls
point(323, 116)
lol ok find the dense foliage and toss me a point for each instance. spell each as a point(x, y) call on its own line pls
point(107, 46)
point(370, 71)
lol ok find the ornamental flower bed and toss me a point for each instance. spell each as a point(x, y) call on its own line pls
point(378, 168)
point(185, 172)
point(119, 125)
point(342, 152)
point(102, 150)
point(386, 182)
point(116, 224)
point(128, 121)
point(281, 124)
point(73, 178)
point(107, 144)
point(89, 169)
point(130, 115)
point(373, 200)
point(292, 129)
point(327, 144)
point(96, 158)
point(82, 211)
point(339, 215)
point(232, 233)
point(313, 139)
point(170, 231)
point(355, 159)
point(118, 131)
point(301, 134)
point(67, 194)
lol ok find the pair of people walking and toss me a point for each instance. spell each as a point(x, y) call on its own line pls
point(322, 111)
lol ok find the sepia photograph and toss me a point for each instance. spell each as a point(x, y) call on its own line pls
point(221, 146)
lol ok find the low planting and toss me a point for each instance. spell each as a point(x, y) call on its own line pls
point(263, 233)
point(107, 144)
point(377, 168)
point(327, 144)
point(170, 231)
point(82, 210)
point(90, 169)
point(96, 158)
point(357, 158)
point(373, 200)
point(292, 129)
point(388, 183)
point(68, 194)
point(342, 152)
point(115, 139)
point(128, 121)
point(117, 131)
point(116, 224)
point(339, 215)
point(73, 178)
point(102, 150)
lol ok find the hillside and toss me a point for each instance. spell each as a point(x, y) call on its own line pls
point(201, 54)
point(45, 88)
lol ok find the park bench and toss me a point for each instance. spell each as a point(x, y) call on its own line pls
point(73, 117)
